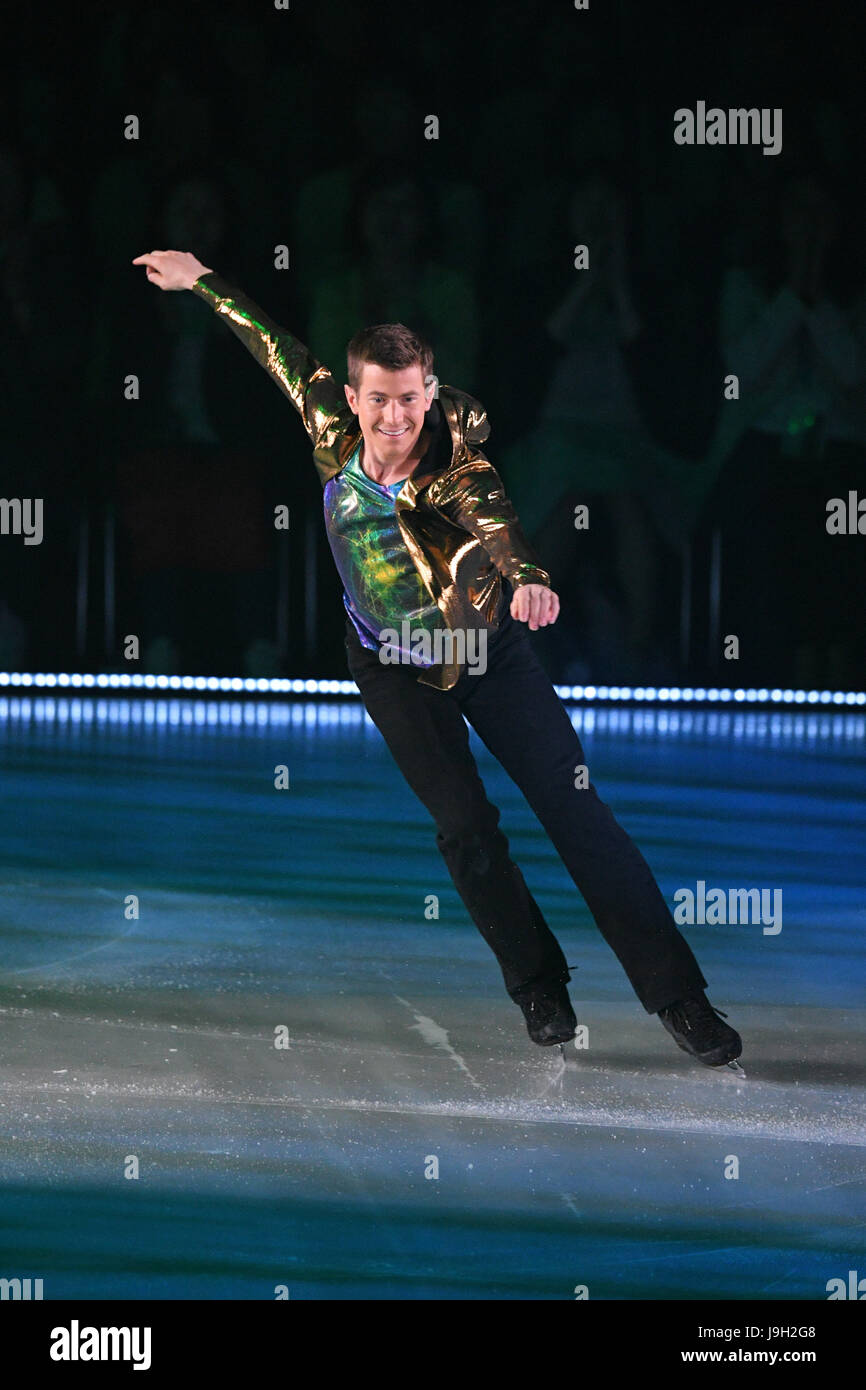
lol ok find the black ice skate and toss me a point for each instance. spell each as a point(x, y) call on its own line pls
point(696, 1027)
point(547, 1009)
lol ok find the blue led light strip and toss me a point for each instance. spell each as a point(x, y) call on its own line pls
point(648, 694)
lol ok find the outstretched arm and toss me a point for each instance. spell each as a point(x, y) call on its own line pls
point(308, 385)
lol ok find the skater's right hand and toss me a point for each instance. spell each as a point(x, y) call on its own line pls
point(172, 270)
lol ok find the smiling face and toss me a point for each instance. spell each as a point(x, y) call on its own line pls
point(391, 407)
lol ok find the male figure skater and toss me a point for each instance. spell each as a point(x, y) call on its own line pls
point(426, 542)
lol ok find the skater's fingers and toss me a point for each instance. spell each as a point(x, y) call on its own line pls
point(520, 604)
point(534, 608)
point(154, 271)
point(545, 606)
point(549, 607)
point(531, 604)
point(172, 270)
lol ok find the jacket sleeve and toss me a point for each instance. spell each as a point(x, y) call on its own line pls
point(474, 497)
point(309, 386)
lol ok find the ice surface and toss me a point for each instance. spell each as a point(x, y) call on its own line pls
point(306, 1164)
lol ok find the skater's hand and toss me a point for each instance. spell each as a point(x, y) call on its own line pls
point(172, 270)
point(536, 604)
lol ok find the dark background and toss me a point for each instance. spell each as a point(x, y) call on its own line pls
point(261, 127)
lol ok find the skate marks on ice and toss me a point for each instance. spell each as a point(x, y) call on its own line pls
point(458, 1059)
point(436, 1036)
point(564, 1061)
point(733, 1067)
point(630, 1080)
point(558, 1070)
point(469, 1063)
point(330, 1135)
point(67, 921)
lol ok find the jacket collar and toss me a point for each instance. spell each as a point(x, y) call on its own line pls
point(439, 452)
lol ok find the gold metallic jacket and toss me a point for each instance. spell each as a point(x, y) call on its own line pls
point(458, 525)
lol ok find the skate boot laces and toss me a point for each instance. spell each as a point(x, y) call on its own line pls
point(687, 1015)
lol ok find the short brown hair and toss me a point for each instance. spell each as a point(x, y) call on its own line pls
point(389, 345)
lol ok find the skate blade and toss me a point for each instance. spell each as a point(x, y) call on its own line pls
point(736, 1069)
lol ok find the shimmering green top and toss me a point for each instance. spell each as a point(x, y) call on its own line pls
point(381, 585)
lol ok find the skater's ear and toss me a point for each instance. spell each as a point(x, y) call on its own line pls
point(351, 397)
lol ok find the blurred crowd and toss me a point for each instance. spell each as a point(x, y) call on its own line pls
point(704, 515)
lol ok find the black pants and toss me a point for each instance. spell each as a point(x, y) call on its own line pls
point(517, 714)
